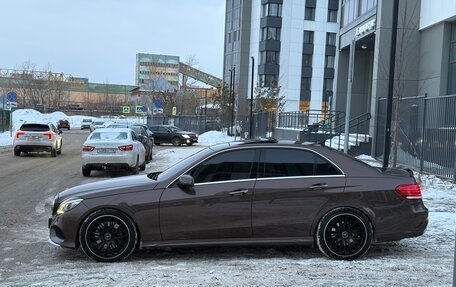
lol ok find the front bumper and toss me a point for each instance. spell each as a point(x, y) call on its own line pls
point(63, 229)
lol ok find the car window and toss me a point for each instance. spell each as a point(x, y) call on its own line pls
point(279, 162)
point(133, 136)
point(137, 130)
point(34, 128)
point(109, 136)
point(162, 129)
point(174, 129)
point(232, 165)
point(154, 128)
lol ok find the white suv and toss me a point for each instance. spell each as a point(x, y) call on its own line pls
point(36, 137)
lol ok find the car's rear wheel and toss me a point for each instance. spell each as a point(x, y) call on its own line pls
point(176, 141)
point(17, 153)
point(86, 171)
point(156, 143)
point(344, 234)
point(189, 144)
point(108, 235)
point(53, 152)
point(59, 151)
point(135, 169)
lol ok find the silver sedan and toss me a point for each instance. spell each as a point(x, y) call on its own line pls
point(108, 148)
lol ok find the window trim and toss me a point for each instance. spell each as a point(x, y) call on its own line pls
point(305, 176)
point(257, 161)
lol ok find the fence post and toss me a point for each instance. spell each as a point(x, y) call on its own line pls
point(423, 127)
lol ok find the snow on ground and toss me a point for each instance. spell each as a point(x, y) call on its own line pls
point(214, 137)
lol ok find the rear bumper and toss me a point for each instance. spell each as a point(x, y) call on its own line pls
point(112, 161)
point(33, 146)
point(405, 225)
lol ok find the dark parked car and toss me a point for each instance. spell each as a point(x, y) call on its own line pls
point(248, 193)
point(173, 135)
point(146, 137)
point(64, 123)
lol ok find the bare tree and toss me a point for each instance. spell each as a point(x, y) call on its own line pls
point(268, 99)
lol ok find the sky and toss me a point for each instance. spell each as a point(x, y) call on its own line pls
point(99, 39)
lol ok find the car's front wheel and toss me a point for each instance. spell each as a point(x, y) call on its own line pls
point(108, 235)
point(344, 234)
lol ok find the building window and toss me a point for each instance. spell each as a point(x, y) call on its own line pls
point(307, 60)
point(309, 14)
point(305, 84)
point(452, 67)
point(332, 16)
point(331, 39)
point(269, 80)
point(272, 9)
point(348, 11)
point(269, 57)
point(365, 5)
point(308, 37)
point(329, 62)
point(270, 33)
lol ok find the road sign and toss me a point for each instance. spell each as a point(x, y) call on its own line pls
point(158, 104)
point(140, 109)
point(126, 109)
point(174, 111)
point(11, 96)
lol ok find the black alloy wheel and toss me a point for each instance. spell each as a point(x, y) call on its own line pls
point(176, 141)
point(108, 236)
point(17, 153)
point(135, 169)
point(53, 152)
point(344, 234)
point(86, 171)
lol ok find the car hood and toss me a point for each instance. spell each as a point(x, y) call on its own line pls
point(109, 187)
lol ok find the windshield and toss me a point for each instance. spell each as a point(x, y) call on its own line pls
point(101, 136)
point(183, 165)
point(98, 123)
point(174, 129)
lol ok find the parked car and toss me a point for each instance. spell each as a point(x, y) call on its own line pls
point(63, 123)
point(118, 148)
point(97, 125)
point(172, 134)
point(145, 136)
point(85, 124)
point(249, 193)
point(37, 137)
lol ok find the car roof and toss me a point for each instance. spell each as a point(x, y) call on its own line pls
point(113, 130)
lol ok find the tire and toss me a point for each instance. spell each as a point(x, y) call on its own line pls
point(344, 234)
point(135, 169)
point(17, 153)
point(142, 167)
point(59, 151)
point(189, 144)
point(108, 235)
point(176, 141)
point(156, 143)
point(86, 171)
point(53, 152)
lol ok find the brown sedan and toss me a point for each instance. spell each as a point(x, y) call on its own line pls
point(244, 193)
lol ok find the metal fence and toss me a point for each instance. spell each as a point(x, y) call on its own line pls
point(303, 119)
point(426, 134)
point(263, 125)
point(198, 124)
point(4, 120)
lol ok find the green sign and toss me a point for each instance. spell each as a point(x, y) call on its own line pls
point(174, 111)
point(139, 109)
point(126, 109)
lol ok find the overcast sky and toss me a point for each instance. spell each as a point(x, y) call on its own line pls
point(99, 39)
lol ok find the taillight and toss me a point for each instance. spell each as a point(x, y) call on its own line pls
point(126, 147)
point(19, 133)
point(87, 148)
point(49, 134)
point(409, 191)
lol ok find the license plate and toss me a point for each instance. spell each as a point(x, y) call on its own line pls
point(31, 138)
point(106, 150)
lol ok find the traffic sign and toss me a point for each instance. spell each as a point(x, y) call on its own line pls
point(158, 104)
point(140, 109)
point(174, 111)
point(11, 96)
point(126, 109)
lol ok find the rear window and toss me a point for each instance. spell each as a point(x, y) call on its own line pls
point(109, 136)
point(86, 120)
point(98, 123)
point(34, 128)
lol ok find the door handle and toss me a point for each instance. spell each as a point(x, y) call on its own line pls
point(319, 186)
point(239, 192)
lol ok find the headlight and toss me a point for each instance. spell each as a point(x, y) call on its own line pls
point(67, 205)
point(186, 136)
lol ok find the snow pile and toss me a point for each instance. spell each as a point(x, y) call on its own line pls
point(214, 137)
point(5, 139)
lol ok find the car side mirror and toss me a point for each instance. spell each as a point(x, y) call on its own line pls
point(59, 131)
point(186, 181)
point(168, 132)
